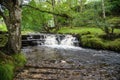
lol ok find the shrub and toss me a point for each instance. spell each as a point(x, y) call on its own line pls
point(6, 71)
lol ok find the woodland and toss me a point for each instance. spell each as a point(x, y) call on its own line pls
point(95, 22)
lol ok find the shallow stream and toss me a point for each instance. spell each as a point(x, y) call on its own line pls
point(67, 62)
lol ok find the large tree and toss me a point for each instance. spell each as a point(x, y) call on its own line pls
point(11, 13)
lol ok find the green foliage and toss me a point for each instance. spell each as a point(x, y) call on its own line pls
point(32, 19)
point(83, 19)
point(8, 64)
point(19, 60)
point(3, 40)
point(3, 27)
point(113, 6)
point(6, 71)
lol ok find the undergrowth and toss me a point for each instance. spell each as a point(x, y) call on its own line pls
point(8, 65)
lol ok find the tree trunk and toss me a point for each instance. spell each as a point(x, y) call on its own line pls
point(103, 9)
point(13, 23)
point(54, 16)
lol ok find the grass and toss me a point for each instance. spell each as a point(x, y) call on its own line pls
point(80, 30)
point(27, 31)
point(3, 28)
point(84, 30)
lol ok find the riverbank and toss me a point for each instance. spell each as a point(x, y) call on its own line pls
point(91, 37)
point(94, 38)
point(9, 63)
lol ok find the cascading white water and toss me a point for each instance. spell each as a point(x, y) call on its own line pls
point(51, 40)
point(68, 40)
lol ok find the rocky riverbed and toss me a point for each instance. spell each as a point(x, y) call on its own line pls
point(69, 63)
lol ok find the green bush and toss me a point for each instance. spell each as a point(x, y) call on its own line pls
point(92, 42)
point(6, 71)
point(19, 60)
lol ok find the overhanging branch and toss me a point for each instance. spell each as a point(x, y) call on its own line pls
point(57, 14)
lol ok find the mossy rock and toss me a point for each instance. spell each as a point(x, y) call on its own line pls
point(114, 45)
point(115, 22)
point(92, 41)
point(3, 40)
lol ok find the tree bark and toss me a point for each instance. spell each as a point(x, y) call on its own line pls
point(13, 23)
point(12, 20)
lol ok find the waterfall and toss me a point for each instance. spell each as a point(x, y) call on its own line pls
point(68, 40)
point(49, 40)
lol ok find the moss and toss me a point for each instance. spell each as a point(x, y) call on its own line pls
point(3, 40)
point(115, 22)
point(114, 45)
point(19, 60)
point(92, 41)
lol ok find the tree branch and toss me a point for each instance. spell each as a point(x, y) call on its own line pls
point(57, 14)
point(48, 2)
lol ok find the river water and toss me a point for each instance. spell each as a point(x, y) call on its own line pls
point(68, 62)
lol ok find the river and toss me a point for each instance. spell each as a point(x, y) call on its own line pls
point(68, 62)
